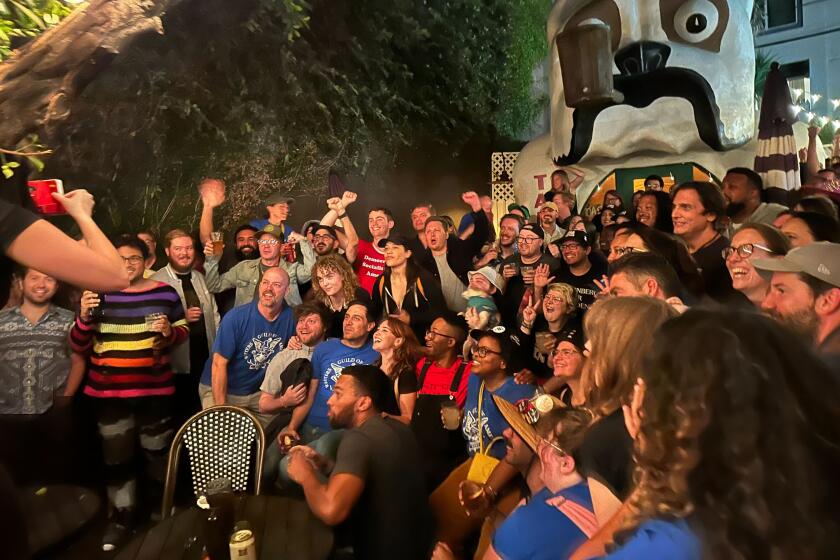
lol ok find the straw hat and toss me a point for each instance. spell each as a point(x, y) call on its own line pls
point(523, 423)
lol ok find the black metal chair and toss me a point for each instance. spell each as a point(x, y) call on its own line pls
point(219, 442)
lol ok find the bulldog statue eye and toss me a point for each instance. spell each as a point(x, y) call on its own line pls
point(696, 20)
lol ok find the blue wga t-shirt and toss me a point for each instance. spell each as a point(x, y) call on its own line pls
point(249, 341)
point(492, 421)
point(549, 526)
point(329, 358)
point(659, 538)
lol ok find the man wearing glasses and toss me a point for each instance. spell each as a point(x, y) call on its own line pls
point(575, 247)
point(245, 276)
point(519, 271)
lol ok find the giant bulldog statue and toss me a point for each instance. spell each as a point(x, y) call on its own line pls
point(641, 83)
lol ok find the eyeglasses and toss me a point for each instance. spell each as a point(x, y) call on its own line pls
point(528, 240)
point(133, 260)
point(323, 238)
point(566, 353)
point(553, 445)
point(744, 251)
point(482, 351)
point(268, 241)
point(621, 251)
point(432, 334)
point(554, 299)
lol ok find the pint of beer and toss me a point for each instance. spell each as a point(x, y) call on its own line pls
point(218, 245)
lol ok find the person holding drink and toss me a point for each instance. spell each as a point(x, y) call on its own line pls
point(129, 336)
point(519, 271)
point(201, 314)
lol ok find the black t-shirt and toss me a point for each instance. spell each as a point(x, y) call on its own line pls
point(713, 269)
point(198, 329)
point(607, 454)
point(336, 329)
point(515, 287)
point(539, 344)
point(584, 285)
point(391, 518)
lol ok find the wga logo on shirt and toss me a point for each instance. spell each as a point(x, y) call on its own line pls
point(261, 349)
point(471, 429)
point(333, 371)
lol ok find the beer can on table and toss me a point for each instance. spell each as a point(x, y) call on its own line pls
point(243, 545)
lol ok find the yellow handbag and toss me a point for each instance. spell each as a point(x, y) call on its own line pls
point(482, 462)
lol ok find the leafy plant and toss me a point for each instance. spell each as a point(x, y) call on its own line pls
point(20, 19)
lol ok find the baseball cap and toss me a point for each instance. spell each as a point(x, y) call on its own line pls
point(272, 230)
point(574, 337)
point(820, 260)
point(579, 237)
point(277, 198)
point(491, 275)
point(549, 205)
point(394, 238)
point(307, 225)
point(521, 208)
point(533, 228)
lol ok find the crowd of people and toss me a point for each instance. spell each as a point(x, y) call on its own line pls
point(655, 380)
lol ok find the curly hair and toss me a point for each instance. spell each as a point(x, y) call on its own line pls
point(407, 354)
point(739, 430)
point(338, 264)
point(619, 333)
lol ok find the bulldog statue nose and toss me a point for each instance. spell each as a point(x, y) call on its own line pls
point(641, 58)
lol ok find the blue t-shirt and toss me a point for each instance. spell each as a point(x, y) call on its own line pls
point(492, 421)
point(259, 224)
point(541, 529)
point(329, 358)
point(658, 538)
point(249, 342)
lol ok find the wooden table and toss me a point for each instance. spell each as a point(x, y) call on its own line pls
point(283, 528)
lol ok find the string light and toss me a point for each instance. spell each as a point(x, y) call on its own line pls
point(810, 116)
point(796, 109)
point(835, 103)
point(797, 92)
point(815, 97)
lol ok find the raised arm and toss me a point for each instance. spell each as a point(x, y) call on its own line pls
point(212, 193)
point(813, 163)
point(95, 265)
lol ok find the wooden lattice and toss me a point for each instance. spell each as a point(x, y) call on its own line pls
point(502, 193)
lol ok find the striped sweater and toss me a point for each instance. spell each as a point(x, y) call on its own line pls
point(123, 362)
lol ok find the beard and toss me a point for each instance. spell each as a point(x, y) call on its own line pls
point(804, 323)
point(341, 420)
point(246, 253)
point(735, 208)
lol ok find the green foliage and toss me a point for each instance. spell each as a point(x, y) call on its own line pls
point(28, 18)
point(270, 94)
point(527, 47)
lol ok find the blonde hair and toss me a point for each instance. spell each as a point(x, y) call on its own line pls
point(173, 235)
point(620, 334)
point(569, 294)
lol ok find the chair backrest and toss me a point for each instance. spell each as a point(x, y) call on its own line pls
point(219, 442)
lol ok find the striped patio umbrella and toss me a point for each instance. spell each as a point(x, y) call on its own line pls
point(776, 158)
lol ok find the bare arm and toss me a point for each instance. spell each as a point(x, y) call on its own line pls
point(333, 501)
point(813, 163)
point(219, 378)
point(78, 366)
point(269, 404)
point(97, 266)
point(212, 195)
point(300, 412)
point(407, 402)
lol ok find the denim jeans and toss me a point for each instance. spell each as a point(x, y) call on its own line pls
point(324, 443)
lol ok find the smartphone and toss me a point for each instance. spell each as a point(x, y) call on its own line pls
point(41, 192)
